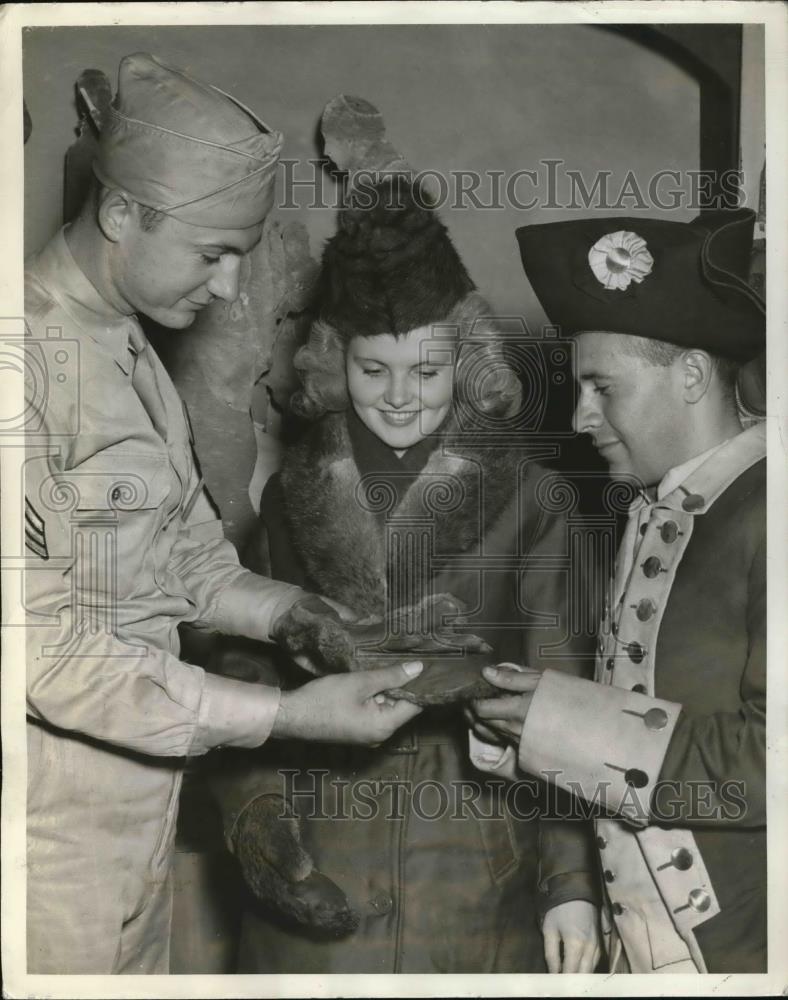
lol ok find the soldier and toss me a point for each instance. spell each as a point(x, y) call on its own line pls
point(125, 544)
point(669, 743)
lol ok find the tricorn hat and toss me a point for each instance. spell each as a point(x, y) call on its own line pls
point(682, 283)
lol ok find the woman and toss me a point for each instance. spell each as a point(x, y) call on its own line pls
point(410, 481)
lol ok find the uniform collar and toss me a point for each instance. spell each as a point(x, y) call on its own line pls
point(694, 485)
point(66, 282)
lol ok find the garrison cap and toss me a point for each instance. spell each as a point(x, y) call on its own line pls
point(186, 148)
point(682, 283)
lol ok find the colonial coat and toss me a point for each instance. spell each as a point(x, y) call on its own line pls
point(440, 886)
point(671, 738)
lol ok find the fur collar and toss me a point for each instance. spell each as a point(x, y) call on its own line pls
point(337, 517)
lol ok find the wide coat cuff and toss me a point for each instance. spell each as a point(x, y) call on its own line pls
point(603, 743)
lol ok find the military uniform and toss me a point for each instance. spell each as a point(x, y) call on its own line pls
point(669, 743)
point(123, 546)
point(671, 739)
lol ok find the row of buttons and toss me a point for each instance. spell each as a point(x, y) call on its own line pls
point(681, 859)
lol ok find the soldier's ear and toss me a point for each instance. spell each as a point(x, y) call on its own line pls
point(115, 213)
point(697, 371)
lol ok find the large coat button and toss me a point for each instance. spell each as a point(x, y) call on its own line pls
point(635, 777)
point(699, 900)
point(609, 876)
point(635, 652)
point(669, 532)
point(601, 842)
point(617, 909)
point(693, 501)
point(640, 688)
point(656, 718)
point(652, 567)
point(645, 609)
point(681, 858)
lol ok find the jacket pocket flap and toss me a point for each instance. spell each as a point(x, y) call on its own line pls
point(117, 482)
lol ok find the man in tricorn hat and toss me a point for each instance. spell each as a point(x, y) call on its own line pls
point(669, 743)
point(124, 543)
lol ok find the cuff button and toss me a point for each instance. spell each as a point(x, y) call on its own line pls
point(656, 719)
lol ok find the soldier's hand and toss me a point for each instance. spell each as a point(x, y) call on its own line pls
point(506, 715)
point(347, 708)
point(275, 866)
point(313, 632)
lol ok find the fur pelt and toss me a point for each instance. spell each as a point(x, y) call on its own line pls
point(341, 542)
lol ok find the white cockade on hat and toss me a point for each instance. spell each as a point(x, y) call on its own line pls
point(619, 258)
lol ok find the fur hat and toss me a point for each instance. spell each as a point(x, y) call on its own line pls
point(392, 266)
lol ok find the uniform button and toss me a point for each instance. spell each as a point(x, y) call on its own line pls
point(382, 903)
point(617, 909)
point(652, 567)
point(699, 900)
point(635, 777)
point(639, 688)
point(645, 609)
point(656, 718)
point(682, 859)
point(635, 652)
point(610, 664)
point(614, 628)
point(669, 532)
point(609, 876)
point(643, 528)
point(601, 843)
point(601, 645)
point(693, 501)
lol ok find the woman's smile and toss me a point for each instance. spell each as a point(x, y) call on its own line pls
point(399, 418)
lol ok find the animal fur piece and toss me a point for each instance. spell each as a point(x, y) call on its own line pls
point(282, 875)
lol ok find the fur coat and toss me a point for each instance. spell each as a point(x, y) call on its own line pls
point(447, 893)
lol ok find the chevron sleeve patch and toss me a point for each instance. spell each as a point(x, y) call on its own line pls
point(35, 532)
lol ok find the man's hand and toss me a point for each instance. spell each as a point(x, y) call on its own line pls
point(313, 632)
point(347, 708)
point(572, 938)
point(505, 716)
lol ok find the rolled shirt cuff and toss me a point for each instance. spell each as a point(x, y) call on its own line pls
point(603, 743)
point(251, 604)
point(234, 713)
point(491, 758)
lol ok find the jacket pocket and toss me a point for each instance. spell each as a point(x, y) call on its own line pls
point(118, 481)
point(498, 840)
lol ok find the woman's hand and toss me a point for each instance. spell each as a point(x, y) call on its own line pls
point(347, 708)
point(572, 937)
point(505, 716)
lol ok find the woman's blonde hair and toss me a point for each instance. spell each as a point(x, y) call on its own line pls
point(484, 381)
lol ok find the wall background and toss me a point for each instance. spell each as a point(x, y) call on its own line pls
point(453, 97)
